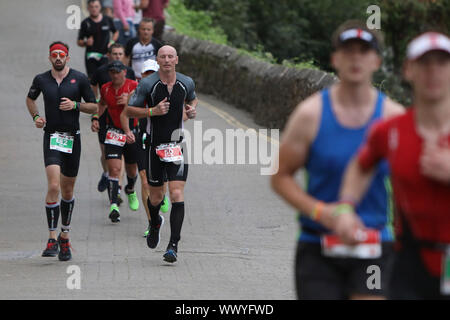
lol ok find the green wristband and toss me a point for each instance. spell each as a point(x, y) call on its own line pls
point(75, 105)
point(36, 117)
point(343, 208)
point(94, 117)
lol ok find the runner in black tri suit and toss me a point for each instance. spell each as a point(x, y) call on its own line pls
point(95, 35)
point(63, 89)
point(166, 92)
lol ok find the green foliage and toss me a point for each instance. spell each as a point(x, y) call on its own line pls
point(196, 24)
point(297, 33)
point(297, 63)
point(403, 20)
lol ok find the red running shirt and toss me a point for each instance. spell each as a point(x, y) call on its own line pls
point(424, 203)
point(110, 96)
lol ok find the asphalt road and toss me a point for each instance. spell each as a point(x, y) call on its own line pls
point(238, 238)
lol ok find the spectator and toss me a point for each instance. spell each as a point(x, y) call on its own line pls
point(138, 15)
point(123, 19)
point(107, 6)
point(154, 9)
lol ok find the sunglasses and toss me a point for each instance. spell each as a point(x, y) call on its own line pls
point(61, 54)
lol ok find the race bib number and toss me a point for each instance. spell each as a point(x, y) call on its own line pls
point(115, 137)
point(368, 248)
point(169, 152)
point(445, 277)
point(62, 142)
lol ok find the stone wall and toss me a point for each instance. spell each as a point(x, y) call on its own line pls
point(269, 92)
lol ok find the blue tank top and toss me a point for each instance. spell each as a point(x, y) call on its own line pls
point(328, 157)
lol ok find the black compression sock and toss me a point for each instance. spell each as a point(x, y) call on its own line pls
point(113, 190)
point(176, 221)
point(66, 214)
point(52, 210)
point(154, 213)
point(130, 186)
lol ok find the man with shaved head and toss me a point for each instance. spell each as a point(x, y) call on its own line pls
point(161, 98)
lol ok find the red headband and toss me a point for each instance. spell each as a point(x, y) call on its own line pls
point(59, 46)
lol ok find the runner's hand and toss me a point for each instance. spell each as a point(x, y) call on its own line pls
point(347, 226)
point(123, 99)
point(66, 104)
point(130, 137)
point(40, 123)
point(161, 108)
point(191, 112)
point(90, 41)
point(435, 163)
point(95, 126)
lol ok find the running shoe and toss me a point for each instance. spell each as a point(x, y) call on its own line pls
point(165, 205)
point(153, 236)
point(103, 183)
point(64, 254)
point(133, 201)
point(114, 214)
point(52, 248)
point(171, 253)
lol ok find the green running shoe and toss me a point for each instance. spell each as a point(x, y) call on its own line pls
point(133, 201)
point(165, 205)
point(114, 214)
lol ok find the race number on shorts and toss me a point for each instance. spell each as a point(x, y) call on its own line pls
point(115, 137)
point(170, 152)
point(368, 248)
point(62, 142)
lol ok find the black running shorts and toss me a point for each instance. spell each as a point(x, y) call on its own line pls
point(68, 162)
point(328, 278)
point(129, 151)
point(159, 171)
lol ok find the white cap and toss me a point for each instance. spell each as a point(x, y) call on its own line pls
point(426, 42)
point(150, 65)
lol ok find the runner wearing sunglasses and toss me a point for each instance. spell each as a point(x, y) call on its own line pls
point(62, 88)
point(114, 97)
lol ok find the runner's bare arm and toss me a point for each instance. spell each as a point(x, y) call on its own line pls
point(115, 36)
point(88, 107)
point(299, 133)
point(190, 109)
point(135, 112)
point(33, 110)
point(355, 182)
